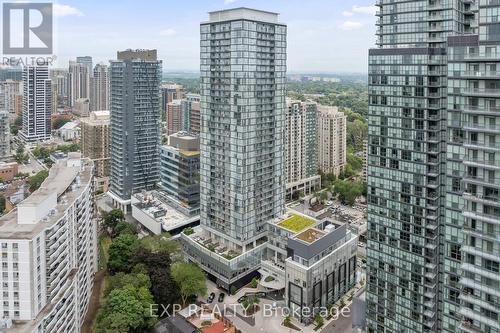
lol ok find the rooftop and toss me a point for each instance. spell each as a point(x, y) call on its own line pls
point(243, 13)
point(97, 118)
point(156, 205)
point(296, 222)
point(69, 125)
point(62, 176)
point(310, 235)
point(189, 152)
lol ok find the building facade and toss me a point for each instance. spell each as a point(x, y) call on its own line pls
point(61, 78)
point(169, 92)
point(190, 105)
point(135, 124)
point(100, 88)
point(413, 259)
point(331, 139)
point(37, 104)
point(49, 252)
point(301, 148)
point(472, 228)
point(5, 151)
point(174, 117)
point(242, 139)
point(79, 81)
point(180, 168)
point(9, 90)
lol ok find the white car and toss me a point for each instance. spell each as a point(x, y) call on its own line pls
point(329, 203)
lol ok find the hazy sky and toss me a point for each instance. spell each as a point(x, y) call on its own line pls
point(323, 35)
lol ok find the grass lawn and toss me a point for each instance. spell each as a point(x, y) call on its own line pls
point(104, 243)
point(296, 223)
point(100, 285)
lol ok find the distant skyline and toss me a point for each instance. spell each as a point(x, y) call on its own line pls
point(324, 36)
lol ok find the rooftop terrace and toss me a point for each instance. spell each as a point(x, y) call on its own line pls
point(296, 222)
point(310, 235)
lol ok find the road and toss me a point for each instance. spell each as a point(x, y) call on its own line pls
point(341, 325)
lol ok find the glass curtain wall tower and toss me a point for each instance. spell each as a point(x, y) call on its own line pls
point(135, 124)
point(407, 280)
point(473, 186)
point(242, 180)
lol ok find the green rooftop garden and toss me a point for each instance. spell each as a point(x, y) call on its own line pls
point(296, 223)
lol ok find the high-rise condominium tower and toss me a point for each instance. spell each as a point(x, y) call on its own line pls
point(472, 231)
point(331, 139)
point(79, 78)
point(99, 99)
point(413, 262)
point(243, 68)
point(301, 148)
point(49, 252)
point(174, 117)
point(135, 117)
point(9, 91)
point(191, 113)
point(4, 135)
point(36, 104)
point(87, 62)
point(95, 145)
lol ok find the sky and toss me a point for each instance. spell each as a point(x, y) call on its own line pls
point(324, 36)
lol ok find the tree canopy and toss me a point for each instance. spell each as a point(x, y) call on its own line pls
point(190, 279)
point(36, 181)
point(121, 253)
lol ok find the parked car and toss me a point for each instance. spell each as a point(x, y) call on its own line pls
point(242, 299)
point(221, 297)
point(211, 298)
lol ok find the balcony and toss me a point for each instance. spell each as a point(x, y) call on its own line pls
point(468, 327)
point(490, 218)
point(481, 75)
point(477, 127)
point(475, 109)
point(435, 17)
point(482, 145)
point(481, 92)
point(485, 199)
point(482, 57)
point(485, 181)
point(479, 162)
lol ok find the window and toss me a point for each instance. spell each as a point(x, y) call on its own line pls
point(491, 265)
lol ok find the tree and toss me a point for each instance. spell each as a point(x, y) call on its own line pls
point(121, 253)
point(111, 218)
point(157, 264)
point(20, 156)
point(121, 280)
point(14, 128)
point(160, 243)
point(254, 283)
point(190, 280)
point(59, 122)
point(357, 131)
point(2, 203)
point(36, 181)
point(323, 196)
point(126, 310)
point(348, 191)
point(319, 320)
point(123, 227)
